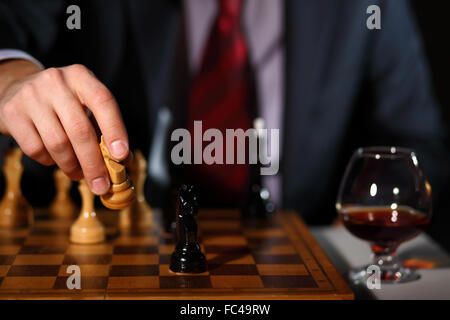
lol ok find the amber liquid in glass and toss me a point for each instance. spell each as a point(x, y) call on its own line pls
point(384, 226)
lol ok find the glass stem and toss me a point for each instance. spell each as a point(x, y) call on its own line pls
point(388, 263)
point(386, 260)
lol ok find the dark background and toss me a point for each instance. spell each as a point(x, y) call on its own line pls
point(432, 21)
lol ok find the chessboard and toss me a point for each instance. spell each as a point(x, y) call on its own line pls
point(273, 258)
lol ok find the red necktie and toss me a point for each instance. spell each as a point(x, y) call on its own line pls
point(220, 97)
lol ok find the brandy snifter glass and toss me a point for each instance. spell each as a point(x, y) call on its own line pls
point(385, 199)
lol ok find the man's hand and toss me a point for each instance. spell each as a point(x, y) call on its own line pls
point(44, 110)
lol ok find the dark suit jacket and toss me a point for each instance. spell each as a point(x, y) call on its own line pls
point(346, 86)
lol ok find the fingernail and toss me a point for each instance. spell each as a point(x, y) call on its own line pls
point(119, 149)
point(100, 186)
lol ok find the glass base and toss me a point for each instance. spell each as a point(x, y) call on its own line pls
point(368, 274)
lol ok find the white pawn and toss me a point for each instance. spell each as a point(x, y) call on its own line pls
point(87, 228)
point(15, 211)
point(62, 206)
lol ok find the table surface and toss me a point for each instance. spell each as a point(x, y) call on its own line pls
point(347, 251)
point(275, 258)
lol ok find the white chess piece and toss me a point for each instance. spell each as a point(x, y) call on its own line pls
point(87, 228)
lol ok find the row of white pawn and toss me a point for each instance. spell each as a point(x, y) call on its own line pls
point(15, 211)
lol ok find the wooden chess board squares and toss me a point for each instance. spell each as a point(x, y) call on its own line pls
point(33, 271)
point(135, 259)
point(80, 259)
point(3, 270)
point(9, 249)
point(40, 260)
point(133, 282)
point(249, 281)
point(21, 283)
point(87, 270)
point(126, 240)
point(6, 240)
point(232, 240)
point(244, 258)
point(87, 283)
point(135, 249)
point(6, 259)
point(134, 270)
point(47, 240)
point(80, 249)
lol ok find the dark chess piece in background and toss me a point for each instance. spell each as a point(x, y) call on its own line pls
point(258, 203)
point(187, 257)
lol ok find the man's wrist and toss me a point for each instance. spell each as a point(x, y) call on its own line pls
point(13, 70)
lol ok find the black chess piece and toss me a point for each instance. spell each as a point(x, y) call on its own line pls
point(187, 257)
point(257, 203)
